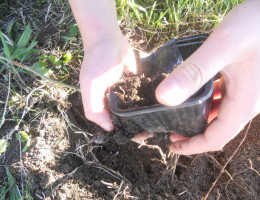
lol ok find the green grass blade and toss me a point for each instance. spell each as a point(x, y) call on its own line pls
point(136, 6)
point(151, 14)
point(158, 21)
point(6, 48)
point(11, 180)
point(14, 190)
point(3, 190)
point(25, 57)
point(9, 29)
point(25, 37)
point(19, 52)
point(136, 9)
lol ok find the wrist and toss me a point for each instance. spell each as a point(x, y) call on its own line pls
point(95, 19)
point(102, 38)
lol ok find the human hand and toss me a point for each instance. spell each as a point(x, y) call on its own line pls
point(233, 50)
point(102, 66)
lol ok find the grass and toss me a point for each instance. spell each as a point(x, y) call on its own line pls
point(155, 22)
point(167, 18)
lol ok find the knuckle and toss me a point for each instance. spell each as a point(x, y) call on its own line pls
point(194, 74)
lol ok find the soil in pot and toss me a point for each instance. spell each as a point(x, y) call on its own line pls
point(136, 91)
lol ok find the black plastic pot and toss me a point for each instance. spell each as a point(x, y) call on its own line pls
point(188, 118)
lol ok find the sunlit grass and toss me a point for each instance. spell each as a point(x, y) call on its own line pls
point(172, 17)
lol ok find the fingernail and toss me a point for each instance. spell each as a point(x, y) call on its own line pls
point(108, 127)
point(170, 93)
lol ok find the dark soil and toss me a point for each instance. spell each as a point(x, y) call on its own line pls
point(142, 172)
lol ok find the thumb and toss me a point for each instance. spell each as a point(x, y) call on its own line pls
point(190, 76)
point(182, 83)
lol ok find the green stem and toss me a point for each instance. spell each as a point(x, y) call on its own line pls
point(40, 75)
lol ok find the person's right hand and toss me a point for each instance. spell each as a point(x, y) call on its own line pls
point(233, 50)
point(102, 66)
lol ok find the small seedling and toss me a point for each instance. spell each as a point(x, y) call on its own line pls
point(3, 145)
point(42, 69)
point(25, 140)
point(73, 32)
point(66, 58)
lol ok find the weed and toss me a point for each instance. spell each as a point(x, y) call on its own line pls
point(13, 189)
point(3, 145)
point(21, 49)
point(3, 190)
point(27, 191)
point(172, 18)
point(25, 139)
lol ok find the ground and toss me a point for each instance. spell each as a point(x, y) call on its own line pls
point(66, 160)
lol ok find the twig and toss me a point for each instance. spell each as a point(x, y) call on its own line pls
point(26, 110)
point(215, 160)
point(7, 99)
point(66, 177)
point(39, 196)
point(226, 188)
point(21, 163)
point(163, 156)
point(113, 173)
point(171, 167)
point(39, 74)
point(228, 161)
point(97, 164)
point(17, 74)
point(119, 189)
point(48, 11)
point(251, 167)
point(8, 40)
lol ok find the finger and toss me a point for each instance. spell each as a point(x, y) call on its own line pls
point(174, 137)
point(93, 87)
point(199, 68)
point(139, 137)
point(213, 114)
point(225, 127)
point(102, 119)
